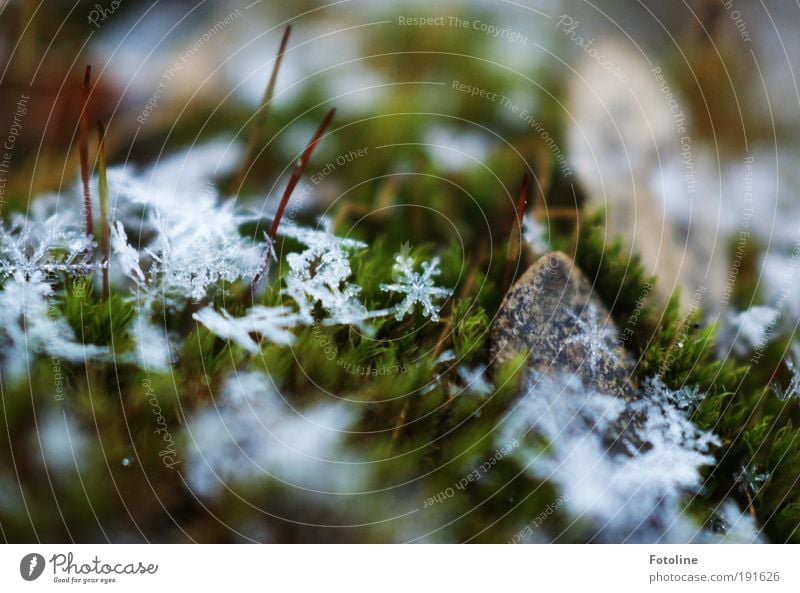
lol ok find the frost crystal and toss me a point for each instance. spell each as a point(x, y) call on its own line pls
point(623, 466)
point(596, 340)
point(417, 288)
point(128, 256)
point(191, 239)
point(319, 275)
point(687, 398)
point(272, 323)
point(251, 434)
point(750, 479)
point(793, 389)
point(48, 248)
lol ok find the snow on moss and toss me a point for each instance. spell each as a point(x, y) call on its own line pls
point(624, 466)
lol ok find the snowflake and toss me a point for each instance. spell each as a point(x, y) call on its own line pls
point(596, 339)
point(191, 240)
point(319, 275)
point(50, 247)
point(417, 288)
point(793, 389)
point(273, 323)
point(750, 479)
point(686, 398)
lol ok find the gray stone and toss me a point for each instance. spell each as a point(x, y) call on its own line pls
point(552, 314)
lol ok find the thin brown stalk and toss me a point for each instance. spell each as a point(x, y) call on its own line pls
point(83, 149)
point(103, 196)
point(287, 193)
point(513, 250)
point(261, 116)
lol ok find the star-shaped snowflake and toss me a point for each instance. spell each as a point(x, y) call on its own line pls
point(750, 479)
point(595, 339)
point(417, 288)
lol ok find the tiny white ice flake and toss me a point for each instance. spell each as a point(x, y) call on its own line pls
point(128, 256)
point(417, 288)
point(792, 390)
point(273, 323)
point(750, 479)
point(533, 234)
point(596, 339)
point(319, 275)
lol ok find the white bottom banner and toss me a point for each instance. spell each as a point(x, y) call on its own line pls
point(354, 568)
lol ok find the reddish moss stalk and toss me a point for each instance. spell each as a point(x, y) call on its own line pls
point(513, 251)
point(83, 149)
point(261, 115)
point(102, 193)
point(287, 193)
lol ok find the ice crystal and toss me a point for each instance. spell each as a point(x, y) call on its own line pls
point(792, 390)
point(252, 434)
point(687, 398)
point(127, 256)
point(596, 339)
point(191, 240)
point(273, 323)
point(319, 275)
point(750, 479)
point(417, 288)
point(623, 466)
point(49, 248)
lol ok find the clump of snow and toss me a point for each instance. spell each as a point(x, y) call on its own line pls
point(319, 281)
point(732, 526)
point(252, 435)
point(30, 323)
point(152, 347)
point(417, 288)
point(624, 466)
point(533, 233)
point(751, 329)
point(60, 444)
